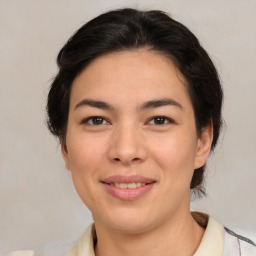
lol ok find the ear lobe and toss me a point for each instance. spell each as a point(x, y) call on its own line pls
point(204, 144)
point(65, 156)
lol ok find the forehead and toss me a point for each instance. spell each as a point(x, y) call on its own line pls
point(136, 75)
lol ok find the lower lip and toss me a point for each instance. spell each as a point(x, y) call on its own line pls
point(128, 194)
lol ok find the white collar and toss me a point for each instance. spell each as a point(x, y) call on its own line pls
point(212, 243)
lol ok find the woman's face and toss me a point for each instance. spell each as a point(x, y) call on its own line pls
point(131, 142)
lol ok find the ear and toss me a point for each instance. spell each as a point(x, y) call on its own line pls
point(65, 155)
point(204, 144)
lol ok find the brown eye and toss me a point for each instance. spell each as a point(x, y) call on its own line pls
point(95, 120)
point(160, 120)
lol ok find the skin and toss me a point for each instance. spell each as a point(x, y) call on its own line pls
point(127, 140)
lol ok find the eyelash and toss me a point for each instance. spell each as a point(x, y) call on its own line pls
point(163, 119)
point(91, 118)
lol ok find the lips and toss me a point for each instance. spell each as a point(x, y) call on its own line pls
point(128, 179)
point(128, 187)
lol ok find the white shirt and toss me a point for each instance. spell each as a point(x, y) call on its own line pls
point(217, 241)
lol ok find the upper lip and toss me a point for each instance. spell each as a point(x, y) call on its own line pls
point(127, 179)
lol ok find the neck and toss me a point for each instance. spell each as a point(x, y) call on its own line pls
point(166, 239)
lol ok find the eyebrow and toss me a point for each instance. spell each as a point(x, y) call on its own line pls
point(160, 103)
point(146, 105)
point(94, 103)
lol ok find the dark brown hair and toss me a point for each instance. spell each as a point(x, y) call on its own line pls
point(126, 29)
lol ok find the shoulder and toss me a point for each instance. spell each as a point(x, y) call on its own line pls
point(235, 243)
point(229, 242)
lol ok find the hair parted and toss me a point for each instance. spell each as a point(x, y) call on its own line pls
point(129, 29)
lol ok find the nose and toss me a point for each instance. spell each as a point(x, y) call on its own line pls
point(127, 146)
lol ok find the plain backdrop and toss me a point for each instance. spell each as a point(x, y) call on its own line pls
point(38, 204)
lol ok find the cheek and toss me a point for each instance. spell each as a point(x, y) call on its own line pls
point(85, 153)
point(175, 155)
point(85, 158)
point(174, 152)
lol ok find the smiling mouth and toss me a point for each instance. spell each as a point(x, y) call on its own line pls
point(128, 185)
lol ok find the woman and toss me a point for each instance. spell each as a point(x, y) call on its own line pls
point(136, 105)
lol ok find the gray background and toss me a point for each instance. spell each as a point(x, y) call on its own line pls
point(39, 205)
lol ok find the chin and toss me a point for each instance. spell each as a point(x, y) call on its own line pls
point(131, 226)
point(129, 220)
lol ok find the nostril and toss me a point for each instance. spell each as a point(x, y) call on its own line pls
point(137, 159)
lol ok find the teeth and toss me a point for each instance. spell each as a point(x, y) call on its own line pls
point(131, 185)
point(123, 185)
point(139, 184)
point(128, 185)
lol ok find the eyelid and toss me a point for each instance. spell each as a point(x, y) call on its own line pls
point(170, 120)
point(86, 120)
point(106, 121)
